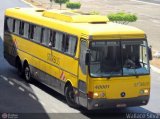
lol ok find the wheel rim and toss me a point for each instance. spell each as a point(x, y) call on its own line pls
point(71, 95)
point(27, 73)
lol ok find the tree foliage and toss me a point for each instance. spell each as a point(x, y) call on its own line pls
point(122, 17)
point(73, 5)
point(60, 2)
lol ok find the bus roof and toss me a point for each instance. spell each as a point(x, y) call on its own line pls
point(96, 26)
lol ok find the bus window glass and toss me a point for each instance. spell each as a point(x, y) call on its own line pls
point(17, 27)
point(31, 31)
point(21, 31)
point(83, 51)
point(10, 24)
point(45, 36)
point(26, 30)
point(70, 45)
point(59, 41)
point(52, 38)
point(37, 34)
point(105, 59)
point(135, 60)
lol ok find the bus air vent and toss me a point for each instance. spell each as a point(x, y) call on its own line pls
point(69, 16)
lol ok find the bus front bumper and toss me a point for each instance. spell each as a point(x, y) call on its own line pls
point(117, 103)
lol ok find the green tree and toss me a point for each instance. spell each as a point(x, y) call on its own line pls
point(122, 17)
point(73, 5)
point(60, 2)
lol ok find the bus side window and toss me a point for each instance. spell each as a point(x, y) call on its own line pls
point(83, 50)
point(26, 30)
point(6, 26)
point(31, 31)
point(52, 38)
point(59, 41)
point(70, 45)
point(10, 24)
point(17, 27)
point(21, 31)
point(45, 36)
point(37, 34)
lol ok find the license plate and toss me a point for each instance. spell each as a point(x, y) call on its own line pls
point(121, 105)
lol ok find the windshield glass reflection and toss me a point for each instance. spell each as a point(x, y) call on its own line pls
point(115, 58)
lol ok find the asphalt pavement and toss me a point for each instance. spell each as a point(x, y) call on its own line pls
point(35, 100)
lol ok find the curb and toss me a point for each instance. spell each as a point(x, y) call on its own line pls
point(145, 2)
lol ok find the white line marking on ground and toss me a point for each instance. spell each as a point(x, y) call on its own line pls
point(32, 96)
point(155, 69)
point(145, 2)
point(5, 78)
point(42, 103)
point(155, 21)
point(20, 88)
point(11, 83)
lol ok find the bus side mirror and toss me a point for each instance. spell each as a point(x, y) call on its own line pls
point(87, 58)
point(150, 52)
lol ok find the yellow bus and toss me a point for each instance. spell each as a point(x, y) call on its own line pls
point(93, 62)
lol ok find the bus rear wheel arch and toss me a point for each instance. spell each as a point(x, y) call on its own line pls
point(19, 67)
point(70, 95)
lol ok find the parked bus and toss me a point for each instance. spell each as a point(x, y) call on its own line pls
point(93, 62)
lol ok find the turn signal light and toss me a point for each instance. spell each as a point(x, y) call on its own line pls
point(90, 94)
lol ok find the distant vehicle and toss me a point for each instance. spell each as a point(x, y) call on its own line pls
point(93, 62)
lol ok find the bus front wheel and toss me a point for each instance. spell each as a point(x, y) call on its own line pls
point(70, 96)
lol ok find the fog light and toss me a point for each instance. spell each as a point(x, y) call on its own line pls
point(102, 95)
point(141, 92)
point(96, 105)
point(144, 91)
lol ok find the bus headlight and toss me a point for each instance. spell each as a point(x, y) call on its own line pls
point(95, 95)
point(99, 95)
point(146, 91)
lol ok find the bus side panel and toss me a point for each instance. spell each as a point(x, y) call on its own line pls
point(10, 50)
point(48, 65)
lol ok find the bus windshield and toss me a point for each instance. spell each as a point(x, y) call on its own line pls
point(118, 58)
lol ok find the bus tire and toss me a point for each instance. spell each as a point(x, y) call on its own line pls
point(70, 96)
point(27, 73)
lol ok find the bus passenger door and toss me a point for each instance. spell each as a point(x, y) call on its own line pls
point(82, 82)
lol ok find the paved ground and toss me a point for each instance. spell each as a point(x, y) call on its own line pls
point(18, 97)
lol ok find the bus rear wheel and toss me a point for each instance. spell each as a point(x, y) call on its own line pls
point(70, 97)
point(27, 74)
